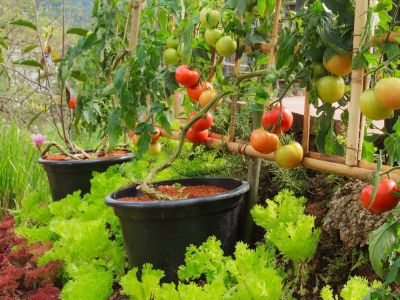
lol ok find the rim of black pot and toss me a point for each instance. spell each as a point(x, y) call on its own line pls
point(240, 190)
point(127, 156)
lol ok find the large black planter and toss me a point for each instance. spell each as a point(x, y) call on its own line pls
point(68, 176)
point(158, 232)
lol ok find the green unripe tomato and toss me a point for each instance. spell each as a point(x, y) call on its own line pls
point(318, 70)
point(330, 88)
point(371, 108)
point(172, 43)
point(209, 18)
point(226, 46)
point(212, 36)
point(171, 56)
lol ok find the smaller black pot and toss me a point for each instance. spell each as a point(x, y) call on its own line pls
point(158, 232)
point(68, 176)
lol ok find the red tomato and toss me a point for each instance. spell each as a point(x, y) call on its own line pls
point(271, 118)
point(197, 137)
point(186, 77)
point(156, 135)
point(201, 124)
point(264, 141)
point(384, 200)
point(72, 103)
point(195, 91)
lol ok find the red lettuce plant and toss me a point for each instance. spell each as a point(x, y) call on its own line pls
point(20, 276)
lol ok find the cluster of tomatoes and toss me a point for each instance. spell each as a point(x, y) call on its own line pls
point(224, 44)
point(380, 102)
point(202, 93)
point(330, 87)
point(375, 104)
point(173, 53)
point(278, 120)
point(155, 145)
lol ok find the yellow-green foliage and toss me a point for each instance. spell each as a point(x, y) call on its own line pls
point(355, 289)
point(287, 227)
point(250, 275)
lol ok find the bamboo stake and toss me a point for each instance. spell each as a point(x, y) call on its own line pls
point(234, 104)
point(354, 142)
point(253, 177)
point(177, 103)
point(135, 24)
point(367, 82)
point(234, 101)
point(275, 31)
point(306, 124)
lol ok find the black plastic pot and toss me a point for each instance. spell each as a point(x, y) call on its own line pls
point(68, 176)
point(158, 232)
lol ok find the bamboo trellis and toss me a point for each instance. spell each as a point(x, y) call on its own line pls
point(351, 165)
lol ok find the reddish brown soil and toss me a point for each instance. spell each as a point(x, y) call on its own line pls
point(114, 153)
point(56, 156)
point(101, 155)
point(179, 192)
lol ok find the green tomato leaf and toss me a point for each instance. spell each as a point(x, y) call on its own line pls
point(95, 8)
point(382, 242)
point(261, 6)
point(114, 127)
point(77, 31)
point(29, 62)
point(29, 48)
point(394, 272)
point(3, 43)
point(392, 143)
point(241, 7)
point(119, 78)
point(23, 23)
point(143, 144)
point(78, 75)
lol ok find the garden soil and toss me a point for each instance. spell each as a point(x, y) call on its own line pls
point(179, 192)
point(101, 155)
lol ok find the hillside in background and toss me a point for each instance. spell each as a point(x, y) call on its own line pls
point(78, 12)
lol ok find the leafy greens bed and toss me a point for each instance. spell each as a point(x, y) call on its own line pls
point(84, 234)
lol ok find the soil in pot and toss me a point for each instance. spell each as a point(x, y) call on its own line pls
point(179, 192)
point(100, 155)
